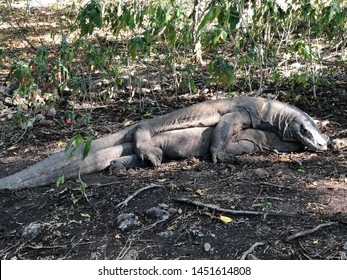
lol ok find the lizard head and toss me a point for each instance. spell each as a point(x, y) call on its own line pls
point(304, 130)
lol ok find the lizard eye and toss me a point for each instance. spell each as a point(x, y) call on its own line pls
point(304, 131)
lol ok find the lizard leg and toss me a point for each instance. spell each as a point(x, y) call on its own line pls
point(125, 162)
point(269, 141)
point(252, 140)
point(144, 147)
point(241, 147)
point(226, 132)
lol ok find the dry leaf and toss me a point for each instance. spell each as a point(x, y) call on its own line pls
point(225, 219)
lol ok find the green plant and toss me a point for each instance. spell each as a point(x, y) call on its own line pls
point(265, 203)
point(77, 141)
point(90, 17)
point(20, 117)
point(187, 78)
point(221, 71)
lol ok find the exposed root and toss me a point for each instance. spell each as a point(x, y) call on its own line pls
point(125, 202)
point(250, 250)
point(230, 211)
point(309, 231)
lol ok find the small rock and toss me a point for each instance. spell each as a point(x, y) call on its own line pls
point(163, 205)
point(345, 246)
point(166, 234)
point(131, 255)
point(40, 118)
point(174, 210)
point(8, 101)
point(127, 221)
point(159, 212)
point(263, 230)
point(51, 112)
point(196, 233)
point(4, 90)
point(207, 247)
point(261, 173)
point(32, 230)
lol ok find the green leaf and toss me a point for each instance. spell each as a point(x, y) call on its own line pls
point(209, 17)
point(87, 147)
point(69, 144)
point(221, 35)
point(78, 140)
point(234, 18)
point(60, 180)
point(334, 10)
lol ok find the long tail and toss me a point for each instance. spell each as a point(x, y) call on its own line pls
point(47, 171)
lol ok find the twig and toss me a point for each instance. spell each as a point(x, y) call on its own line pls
point(250, 250)
point(125, 202)
point(230, 211)
point(272, 185)
point(265, 184)
point(133, 237)
point(82, 189)
point(309, 231)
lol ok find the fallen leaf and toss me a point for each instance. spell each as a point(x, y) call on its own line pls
point(284, 159)
point(201, 192)
point(225, 219)
point(161, 180)
point(60, 143)
point(171, 228)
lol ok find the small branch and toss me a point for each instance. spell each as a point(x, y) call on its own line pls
point(250, 250)
point(126, 201)
point(272, 185)
point(134, 236)
point(259, 183)
point(230, 211)
point(309, 231)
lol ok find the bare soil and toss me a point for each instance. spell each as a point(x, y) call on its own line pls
point(301, 190)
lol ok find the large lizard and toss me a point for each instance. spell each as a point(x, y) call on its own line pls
point(196, 142)
point(228, 116)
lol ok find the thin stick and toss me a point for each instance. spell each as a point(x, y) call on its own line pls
point(125, 202)
point(272, 185)
point(309, 231)
point(230, 211)
point(259, 183)
point(133, 237)
point(250, 250)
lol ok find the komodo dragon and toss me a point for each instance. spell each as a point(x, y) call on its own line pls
point(228, 116)
point(196, 142)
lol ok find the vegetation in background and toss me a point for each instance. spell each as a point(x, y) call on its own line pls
point(102, 48)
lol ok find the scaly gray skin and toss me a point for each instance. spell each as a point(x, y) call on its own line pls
point(229, 116)
point(196, 142)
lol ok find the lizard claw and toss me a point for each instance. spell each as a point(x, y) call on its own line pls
point(222, 157)
point(150, 153)
point(115, 167)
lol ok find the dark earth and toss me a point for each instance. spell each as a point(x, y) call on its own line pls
point(294, 193)
point(78, 221)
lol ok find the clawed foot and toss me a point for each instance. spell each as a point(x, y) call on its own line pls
point(222, 157)
point(150, 153)
point(116, 167)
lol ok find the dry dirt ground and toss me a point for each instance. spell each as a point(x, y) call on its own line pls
point(289, 193)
